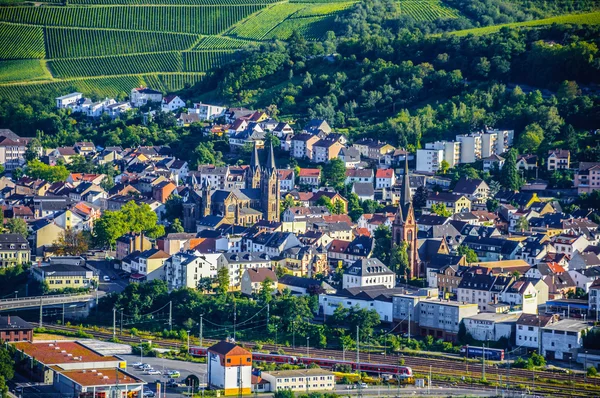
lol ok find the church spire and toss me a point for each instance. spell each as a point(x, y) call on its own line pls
point(271, 159)
point(254, 163)
point(405, 197)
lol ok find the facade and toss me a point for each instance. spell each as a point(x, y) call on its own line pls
point(208, 112)
point(67, 100)
point(490, 326)
point(12, 149)
point(429, 160)
point(441, 318)
point(471, 147)
point(171, 103)
point(186, 269)
point(558, 159)
point(529, 327)
point(310, 177)
point(456, 203)
point(143, 95)
point(14, 249)
point(562, 339)
point(237, 263)
point(404, 228)
point(368, 272)
point(587, 177)
point(230, 369)
point(301, 380)
point(60, 276)
point(253, 279)
point(450, 149)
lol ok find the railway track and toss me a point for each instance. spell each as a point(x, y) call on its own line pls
point(547, 383)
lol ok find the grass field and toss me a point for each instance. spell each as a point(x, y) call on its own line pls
point(24, 69)
point(592, 18)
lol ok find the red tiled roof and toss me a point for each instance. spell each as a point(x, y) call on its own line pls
point(384, 173)
point(52, 353)
point(285, 174)
point(338, 245)
point(100, 377)
point(309, 173)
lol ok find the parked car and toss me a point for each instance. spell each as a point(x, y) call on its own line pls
point(148, 393)
point(137, 364)
point(106, 278)
point(153, 372)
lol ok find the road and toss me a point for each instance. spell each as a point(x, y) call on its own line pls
point(117, 284)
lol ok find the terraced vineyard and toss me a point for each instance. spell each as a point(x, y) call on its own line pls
point(21, 41)
point(222, 42)
point(427, 10)
point(201, 61)
point(23, 69)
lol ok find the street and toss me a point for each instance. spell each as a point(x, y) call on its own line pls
point(117, 284)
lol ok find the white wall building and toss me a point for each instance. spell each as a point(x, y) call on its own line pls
point(560, 340)
point(368, 272)
point(207, 112)
point(361, 297)
point(451, 150)
point(429, 160)
point(230, 368)
point(171, 103)
point(490, 326)
point(142, 95)
point(186, 269)
point(471, 145)
point(300, 380)
point(66, 100)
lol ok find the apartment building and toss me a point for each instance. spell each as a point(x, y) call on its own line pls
point(441, 318)
point(60, 276)
point(14, 249)
point(186, 269)
point(429, 160)
point(587, 177)
point(300, 380)
point(451, 150)
point(471, 147)
point(237, 263)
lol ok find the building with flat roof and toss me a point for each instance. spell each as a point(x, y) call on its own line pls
point(110, 382)
point(489, 326)
point(562, 339)
point(301, 380)
point(60, 276)
point(441, 318)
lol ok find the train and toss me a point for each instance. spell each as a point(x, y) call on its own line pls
point(492, 354)
point(401, 372)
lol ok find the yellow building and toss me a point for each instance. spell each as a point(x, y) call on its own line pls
point(45, 234)
point(456, 203)
point(60, 276)
point(230, 369)
point(14, 249)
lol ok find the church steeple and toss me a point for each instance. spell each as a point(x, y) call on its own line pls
point(254, 162)
point(271, 160)
point(253, 173)
point(405, 196)
point(270, 188)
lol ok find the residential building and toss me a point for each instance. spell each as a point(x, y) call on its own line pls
point(301, 380)
point(61, 276)
point(456, 203)
point(364, 190)
point(237, 263)
point(229, 368)
point(253, 279)
point(385, 178)
point(324, 150)
point(350, 157)
point(587, 177)
point(207, 112)
point(287, 179)
point(490, 326)
point(12, 149)
point(451, 152)
point(14, 249)
point(429, 160)
point(368, 272)
point(471, 147)
point(493, 162)
point(187, 269)
point(441, 318)
point(171, 103)
point(562, 339)
point(69, 99)
point(131, 242)
point(558, 159)
point(302, 146)
point(476, 190)
point(594, 300)
point(310, 177)
point(359, 175)
point(143, 95)
point(480, 286)
point(316, 126)
point(376, 297)
point(13, 329)
point(529, 327)
point(527, 162)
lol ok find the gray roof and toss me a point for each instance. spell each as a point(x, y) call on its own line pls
point(364, 189)
point(368, 267)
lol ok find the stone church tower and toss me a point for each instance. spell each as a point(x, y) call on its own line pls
point(269, 188)
point(253, 172)
point(404, 227)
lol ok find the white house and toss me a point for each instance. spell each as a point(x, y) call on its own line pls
point(528, 329)
point(142, 95)
point(562, 339)
point(301, 380)
point(585, 277)
point(253, 279)
point(171, 103)
point(490, 326)
point(385, 178)
point(66, 100)
point(368, 272)
point(229, 368)
point(186, 269)
point(207, 112)
point(378, 298)
point(429, 160)
point(570, 244)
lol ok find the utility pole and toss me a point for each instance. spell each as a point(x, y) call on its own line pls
point(114, 323)
point(41, 305)
point(358, 363)
point(409, 311)
point(121, 325)
point(201, 316)
point(63, 315)
point(235, 320)
point(170, 315)
point(483, 364)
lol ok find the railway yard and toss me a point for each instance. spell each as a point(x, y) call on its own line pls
point(445, 372)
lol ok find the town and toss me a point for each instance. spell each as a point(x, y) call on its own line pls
point(465, 250)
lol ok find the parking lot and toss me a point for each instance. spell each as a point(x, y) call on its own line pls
point(184, 368)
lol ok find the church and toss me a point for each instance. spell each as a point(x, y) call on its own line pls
point(259, 200)
point(404, 227)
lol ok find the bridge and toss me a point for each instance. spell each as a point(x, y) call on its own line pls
point(50, 300)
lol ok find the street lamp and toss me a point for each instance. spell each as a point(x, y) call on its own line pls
point(307, 348)
point(188, 341)
point(16, 293)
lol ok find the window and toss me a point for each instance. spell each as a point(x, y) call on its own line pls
point(228, 360)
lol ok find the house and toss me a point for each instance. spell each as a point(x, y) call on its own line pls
point(66, 100)
point(237, 263)
point(149, 263)
point(490, 326)
point(385, 178)
point(364, 190)
point(474, 189)
point(304, 213)
point(287, 179)
point(14, 249)
point(116, 109)
point(456, 203)
point(585, 277)
point(185, 119)
point(341, 252)
point(12, 149)
point(493, 162)
point(163, 190)
point(44, 233)
point(253, 279)
point(429, 160)
point(302, 146)
point(528, 329)
point(558, 159)
point(129, 243)
point(594, 299)
point(62, 153)
point(570, 243)
point(305, 261)
point(359, 175)
point(562, 339)
point(442, 318)
point(324, 150)
point(368, 272)
point(310, 177)
point(143, 95)
point(350, 157)
point(527, 162)
point(480, 286)
point(493, 249)
point(378, 151)
point(13, 329)
point(171, 103)
point(283, 130)
point(229, 369)
point(316, 126)
point(188, 268)
point(301, 380)
point(206, 111)
point(587, 177)
point(61, 276)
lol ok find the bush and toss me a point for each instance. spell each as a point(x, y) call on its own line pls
point(591, 371)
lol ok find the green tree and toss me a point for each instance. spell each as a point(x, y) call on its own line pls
point(34, 149)
point(222, 280)
point(71, 243)
point(420, 197)
point(440, 209)
point(37, 169)
point(510, 175)
point(109, 227)
point(287, 202)
point(284, 394)
point(531, 139)
point(339, 208)
point(176, 226)
point(592, 371)
point(334, 173)
point(7, 372)
point(399, 261)
point(469, 253)
point(383, 242)
point(355, 210)
point(522, 224)
point(325, 201)
point(17, 226)
point(492, 205)
point(444, 166)
point(265, 294)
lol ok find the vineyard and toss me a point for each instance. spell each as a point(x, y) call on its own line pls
point(24, 69)
point(20, 41)
point(201, 61)
point(222, 42)
point(426, 10)
point(170, 2)
point(185, 19)
point(256, 28)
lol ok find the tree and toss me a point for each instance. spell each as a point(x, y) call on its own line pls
point(71, 243)
point(173, 208)
point(205, 284)
point(492, 205)
point(444, 166)
point(339, 208)
point(469, 253)
point(17, 226)
point(420, 197)
point(354, 208)
point(287, 202)
point(510, 175)
point(176, 226)
point(334, 173)
point(383, 242)
point(531, 139)
point(592, 371)
point(37, 169)
point(325, 201)
point(108, 228)
point(222, 280)
point(399, 261)
point(34, 149)
point(7, 372)
point(440, 209)
point(265, 294)
point(522, 224)
point(284, 394)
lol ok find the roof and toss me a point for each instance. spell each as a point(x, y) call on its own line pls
point(68, 96)
point(534, 320)
point(368, 267)
point(100, 377)
point(384, 173)
point(285, 174)
point(468, 185)
point(444, 196)
point(298, 281)
point(569, 325)
point(309, 173)
point(560, 153)
point(259, 275)
point(363, 189)
point(361, 173)
point(63, 268)
point(146, 90)
point(299, 373)
point(12, 238)
point(58, 353)
point(14, 322)
point(227, 348)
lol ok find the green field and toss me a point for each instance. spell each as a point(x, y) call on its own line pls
point(427, 10)
point(24, 69)
point(592, 18)
point(21, 41)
